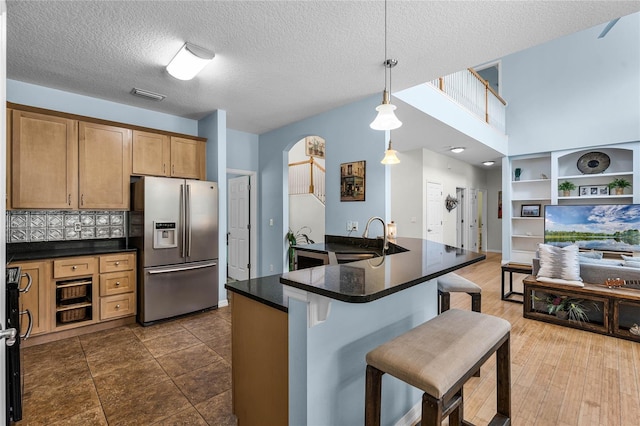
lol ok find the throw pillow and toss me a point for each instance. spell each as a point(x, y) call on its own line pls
point(591, 254)
point(631, 264)
point(631, 258)
point(556, 262)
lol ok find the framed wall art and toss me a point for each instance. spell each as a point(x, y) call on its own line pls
point(352, 181)
point(314, 146)
point(593, 190)
point(530, 210)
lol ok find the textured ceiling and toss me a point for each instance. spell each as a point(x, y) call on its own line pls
point(276, 61)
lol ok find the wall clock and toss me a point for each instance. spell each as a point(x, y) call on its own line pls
point(593, 162)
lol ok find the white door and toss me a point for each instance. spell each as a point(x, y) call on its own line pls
point(461, 229)
point(238, 228)
point(435, 205)
point(482, 218)
point(473, 220)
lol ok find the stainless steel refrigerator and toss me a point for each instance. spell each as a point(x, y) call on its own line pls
point(174, 225)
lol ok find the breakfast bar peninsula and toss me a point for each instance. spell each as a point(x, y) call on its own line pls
point(299, 339)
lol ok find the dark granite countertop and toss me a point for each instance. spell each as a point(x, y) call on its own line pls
point(267, 290)
point(367, 280)
point(49, 250)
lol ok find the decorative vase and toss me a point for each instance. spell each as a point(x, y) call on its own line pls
point(518, 171)
point(619, 191)
point(563, 315)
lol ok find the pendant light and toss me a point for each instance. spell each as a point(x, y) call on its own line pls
point(386, 118)
point(390, 156)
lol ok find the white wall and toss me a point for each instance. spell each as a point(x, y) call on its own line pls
point(408, 182)
point(307, 210)
point(452, 174)
point(407, 187)
point(494, 225)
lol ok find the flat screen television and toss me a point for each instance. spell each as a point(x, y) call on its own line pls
point(606, 227)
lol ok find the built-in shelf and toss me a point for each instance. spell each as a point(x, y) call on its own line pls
point(523, 234)
point(598, 197)
point(606, 175)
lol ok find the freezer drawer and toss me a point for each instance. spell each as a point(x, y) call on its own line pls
point(169, 291)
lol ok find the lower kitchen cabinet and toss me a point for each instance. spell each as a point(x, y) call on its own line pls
point(120, 305)
point(61, 297)
point(33, 298)
point(117, 285)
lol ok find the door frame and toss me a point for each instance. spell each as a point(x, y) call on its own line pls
point(253, 217)
point(3, 185)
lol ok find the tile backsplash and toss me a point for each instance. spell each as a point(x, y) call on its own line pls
point(47, 225)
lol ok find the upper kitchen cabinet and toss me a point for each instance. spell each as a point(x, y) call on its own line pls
point(104, 166)
point(44, 157)
point(151, 154)
point(187, 158)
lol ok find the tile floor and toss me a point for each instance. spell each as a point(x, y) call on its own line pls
point(173, 373)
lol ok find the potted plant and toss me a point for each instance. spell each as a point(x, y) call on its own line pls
point(566, 187)
point(619, 184)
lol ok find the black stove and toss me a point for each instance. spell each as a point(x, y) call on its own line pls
point(14, 391)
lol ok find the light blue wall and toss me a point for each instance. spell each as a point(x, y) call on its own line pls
point(348, 138)
point(576, 91)
point(327, 362)
point(242, 150)
point(43, 97)
point(214, 128)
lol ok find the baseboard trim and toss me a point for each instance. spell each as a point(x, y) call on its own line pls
point(412, 417)
point(223, 303)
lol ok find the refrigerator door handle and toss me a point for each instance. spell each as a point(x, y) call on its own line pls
point(188, 219)
point(183, 251)
point(189, 268)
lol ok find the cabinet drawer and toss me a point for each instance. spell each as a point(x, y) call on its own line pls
point(120, 305)
point(117, 262)
point(74, 267)
point(117, 283)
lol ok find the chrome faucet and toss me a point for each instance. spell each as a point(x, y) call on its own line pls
point(365, 234)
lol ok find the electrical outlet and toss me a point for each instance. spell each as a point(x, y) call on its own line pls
point(352, 225)
point(270, 268)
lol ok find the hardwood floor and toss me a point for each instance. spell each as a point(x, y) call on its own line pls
point(178, 372)
point(559, 376)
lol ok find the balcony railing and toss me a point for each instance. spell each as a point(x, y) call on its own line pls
point(307, 177)
point(474, 94)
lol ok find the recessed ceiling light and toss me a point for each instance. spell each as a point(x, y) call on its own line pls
point(147, 94)
point(488, 163)
point(457, 149)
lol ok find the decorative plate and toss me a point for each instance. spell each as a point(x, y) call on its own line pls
point(593, 162)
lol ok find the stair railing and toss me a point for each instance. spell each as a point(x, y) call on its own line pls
point(307, 177)
point(474, 93)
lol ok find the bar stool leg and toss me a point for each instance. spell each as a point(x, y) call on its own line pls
point(456, 418)
point(445, 301)
point(432, 411)
point(373, 396)
point(503, 371)
point(476, 302)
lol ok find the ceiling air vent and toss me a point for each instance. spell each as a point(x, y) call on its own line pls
point(147, 94)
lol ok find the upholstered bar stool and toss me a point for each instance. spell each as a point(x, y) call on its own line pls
point(438, 357)
point(454, 283)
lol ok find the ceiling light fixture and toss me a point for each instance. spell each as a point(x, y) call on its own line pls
point(147, 94)
point(488, 163)
point(386, 118)
point(189, 61)
point(390, 156)
point(457, 149)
